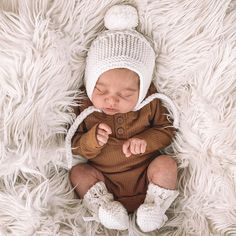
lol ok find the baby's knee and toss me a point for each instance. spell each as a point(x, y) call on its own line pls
point(167, 163)
point(85, 173)
point(163, 170)
point(78, 172)
point(163, 162)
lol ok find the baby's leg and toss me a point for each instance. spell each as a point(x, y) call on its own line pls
point(162, 176)
point(83, 177)
point(162, 171)
point(90, 185)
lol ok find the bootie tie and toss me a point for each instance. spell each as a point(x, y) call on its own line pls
point(151, 214)
point(102, 206)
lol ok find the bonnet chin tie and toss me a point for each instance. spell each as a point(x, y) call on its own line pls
point(86, 112)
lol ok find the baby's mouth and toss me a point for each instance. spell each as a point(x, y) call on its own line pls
point(108, 110)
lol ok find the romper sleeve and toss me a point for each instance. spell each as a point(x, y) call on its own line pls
point(161, 132)
point(84, 141)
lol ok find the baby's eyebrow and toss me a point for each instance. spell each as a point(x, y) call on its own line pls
point(100, 83)
point(130, 89)
point(125, 89)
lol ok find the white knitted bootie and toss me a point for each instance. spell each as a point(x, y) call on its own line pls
point(151, 214)
point(102, 206)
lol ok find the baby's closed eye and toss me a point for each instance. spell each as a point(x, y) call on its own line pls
point(126, 94)
point(100, 91)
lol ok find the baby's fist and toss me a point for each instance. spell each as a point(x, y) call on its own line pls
point(103, 132)
point(134, 146)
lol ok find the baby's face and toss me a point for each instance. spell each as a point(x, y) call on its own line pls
point(116, 91)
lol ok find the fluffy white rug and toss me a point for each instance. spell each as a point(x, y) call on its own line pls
point(43, 44)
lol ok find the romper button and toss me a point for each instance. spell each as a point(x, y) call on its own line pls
point(120, 120)
point(120, 131)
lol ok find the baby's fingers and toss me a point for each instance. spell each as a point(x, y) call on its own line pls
point(143, 147)
point(105, 127)
point(133, 148)
point(125, 149)
point(137, 146)
point(101, 139)
point(102, 132)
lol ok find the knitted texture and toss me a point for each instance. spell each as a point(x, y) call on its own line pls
point(96, 196)
point(126, 48)
point(114, 216)
point(151, 214)
point(121, 17)
point(101, 205)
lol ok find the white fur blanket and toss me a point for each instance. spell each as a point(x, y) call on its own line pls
point(43, 44)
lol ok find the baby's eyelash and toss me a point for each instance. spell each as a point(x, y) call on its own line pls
point(99, 90)
point(125, 96)
point(128, 95)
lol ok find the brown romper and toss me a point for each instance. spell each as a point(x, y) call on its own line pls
point(125, 177)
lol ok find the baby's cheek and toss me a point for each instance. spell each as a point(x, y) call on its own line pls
point(127, 107)
point(97, 104)
point(96, 100)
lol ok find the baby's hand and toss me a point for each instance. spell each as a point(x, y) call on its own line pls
point(103, 132)
point(134, 146)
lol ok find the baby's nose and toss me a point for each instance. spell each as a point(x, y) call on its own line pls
point(112, 100)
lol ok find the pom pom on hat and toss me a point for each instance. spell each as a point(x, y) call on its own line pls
point(121, 17)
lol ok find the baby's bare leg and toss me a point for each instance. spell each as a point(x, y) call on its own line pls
point(83, 177)
point(162, 171)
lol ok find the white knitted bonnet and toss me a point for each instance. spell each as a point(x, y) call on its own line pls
point(121, 46)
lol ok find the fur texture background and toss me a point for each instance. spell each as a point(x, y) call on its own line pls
point(43, 44)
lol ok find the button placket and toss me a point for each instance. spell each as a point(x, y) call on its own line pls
point(119, 120)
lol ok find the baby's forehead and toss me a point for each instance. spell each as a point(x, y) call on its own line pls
point(120, 75)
